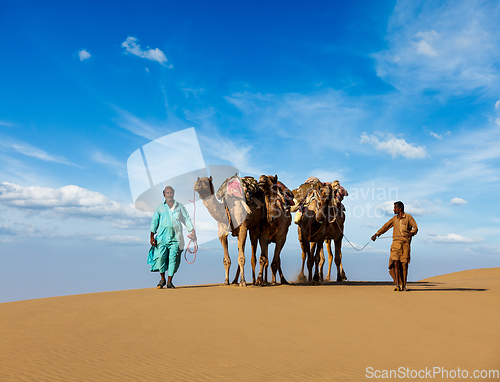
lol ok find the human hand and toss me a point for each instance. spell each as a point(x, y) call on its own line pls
point(153, 242)
point(192, 235)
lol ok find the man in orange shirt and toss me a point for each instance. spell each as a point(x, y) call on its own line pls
point(404, 227)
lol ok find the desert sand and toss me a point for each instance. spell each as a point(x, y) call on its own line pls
point(276, 333)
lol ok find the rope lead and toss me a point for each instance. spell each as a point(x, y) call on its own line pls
point(195, 243)
point(341, 230)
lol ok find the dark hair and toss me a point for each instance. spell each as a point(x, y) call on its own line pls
point(400, 205)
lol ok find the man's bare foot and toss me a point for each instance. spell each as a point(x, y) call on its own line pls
point(405, 289)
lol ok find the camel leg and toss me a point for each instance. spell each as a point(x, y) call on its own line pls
point(317, 249)
point(321, 262)
point(253, 240)
point(266, 268)
point(242, 237)
point(266, 263)
point(305, 257)
point(328, 243)
point(263, 262)
point(338, 260)
point(254, 263)
point(227, 259)
point(310, 261)
point(276, 264)
point(237, 276)
point(301, 277)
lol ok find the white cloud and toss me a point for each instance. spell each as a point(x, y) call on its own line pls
point(145, 129)
point(413, 208)
point(497, 104)
point(458, 201)
point(327, 119)
point(497, 121)
point(6, 230)
point(67, 201)
point(423, 47)
point(117, 239)
point(131, 224)
point(131, 46)
point(451, 238)
point(6, 124)
point(235, 153)
point(115, 166)
point(395, 146)
point(483, 249)
point(437, 136)
point(449, 47)
point(34, 152)
point(84, 55)
point(328, 176)
point(29, 231)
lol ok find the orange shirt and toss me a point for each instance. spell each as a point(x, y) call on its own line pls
point(402, 226)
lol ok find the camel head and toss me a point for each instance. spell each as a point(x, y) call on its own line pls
point(204, 187)
point(269, 186)
point(326, 194)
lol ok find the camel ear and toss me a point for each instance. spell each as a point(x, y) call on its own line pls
point(198, 178)
point(276, 176)
point(210, 178)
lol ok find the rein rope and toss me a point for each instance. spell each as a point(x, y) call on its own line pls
point(357, 249)
point(195, 242)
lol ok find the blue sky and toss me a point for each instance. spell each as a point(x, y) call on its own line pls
point(393, 99)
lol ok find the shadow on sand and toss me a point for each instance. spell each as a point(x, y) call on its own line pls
point(417, 286)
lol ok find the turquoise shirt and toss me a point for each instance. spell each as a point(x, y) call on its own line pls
point(167, 224)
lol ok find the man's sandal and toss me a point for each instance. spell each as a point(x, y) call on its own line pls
point(161, 284)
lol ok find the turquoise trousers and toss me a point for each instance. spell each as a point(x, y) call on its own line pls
point(165, 256)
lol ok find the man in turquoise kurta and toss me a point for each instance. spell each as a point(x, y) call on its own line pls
point(165, 254)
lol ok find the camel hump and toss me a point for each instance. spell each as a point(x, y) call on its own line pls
point(312, 179)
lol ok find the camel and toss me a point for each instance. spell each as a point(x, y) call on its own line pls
point(312, 230)
point(274, 229)
point(220, 212)
point(334, 232)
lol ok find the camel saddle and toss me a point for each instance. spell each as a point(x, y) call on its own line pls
point(300, 193)
point(246, 188)
point(285, 194)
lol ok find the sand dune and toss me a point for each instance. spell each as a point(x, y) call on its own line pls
point(281, 333)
